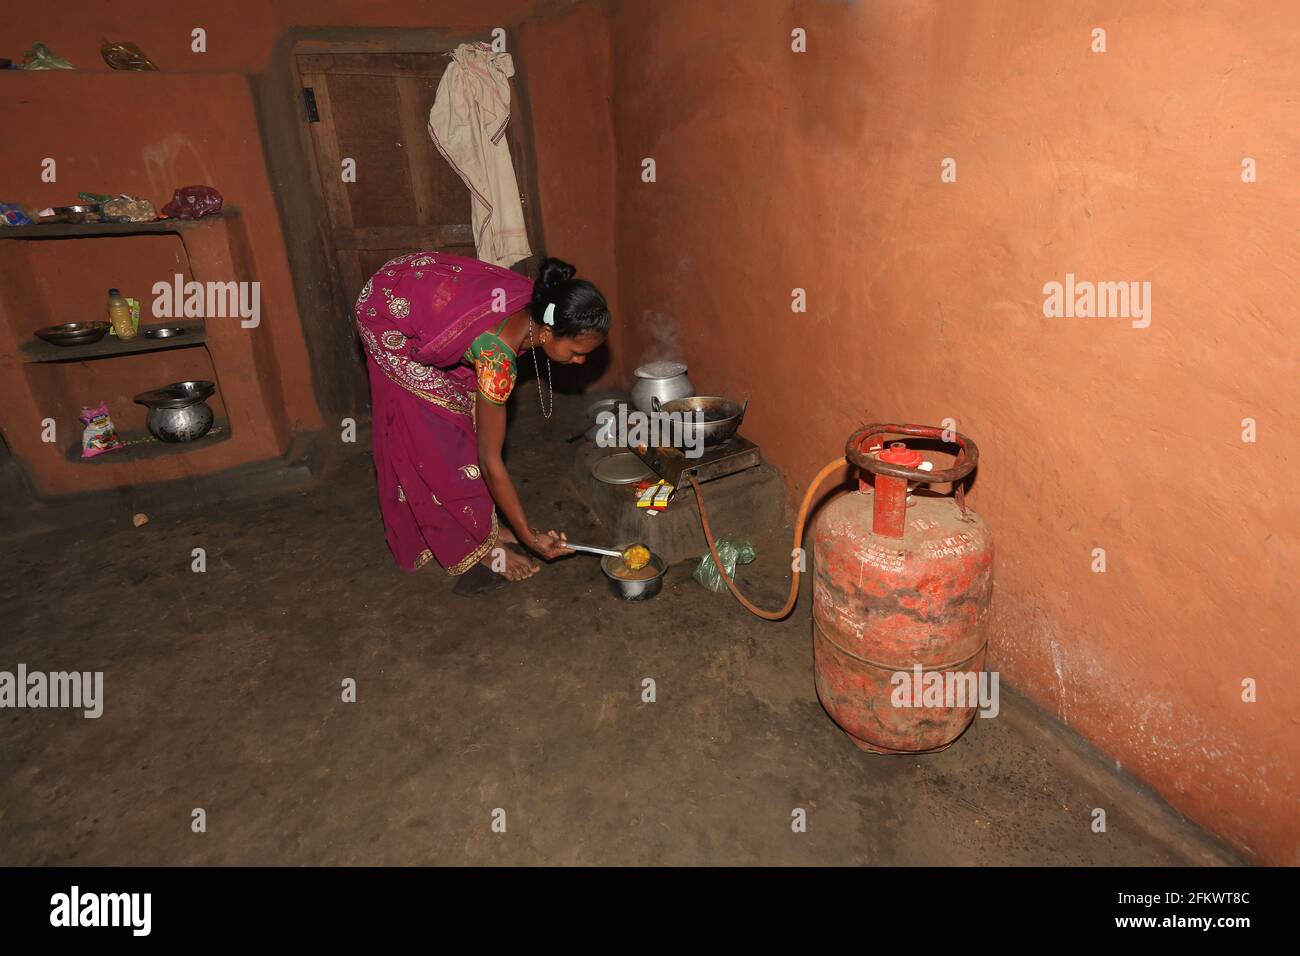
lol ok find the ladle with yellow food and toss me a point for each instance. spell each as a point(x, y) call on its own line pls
point(634, 558)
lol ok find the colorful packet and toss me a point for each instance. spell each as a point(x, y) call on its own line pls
point(100, 435)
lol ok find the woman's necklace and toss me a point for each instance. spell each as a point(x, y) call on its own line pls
point(550, 387)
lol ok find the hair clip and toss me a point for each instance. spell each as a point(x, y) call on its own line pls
point(549, 316)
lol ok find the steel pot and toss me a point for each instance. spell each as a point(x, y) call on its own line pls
point(179, 412)
point(662, 380)
point(642, 590)
point(722, 418)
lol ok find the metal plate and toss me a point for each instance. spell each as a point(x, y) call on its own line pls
point(73, 333)
point(621, 468)
point(177, 394)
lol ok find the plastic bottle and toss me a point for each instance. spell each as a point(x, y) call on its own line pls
point(119, 316)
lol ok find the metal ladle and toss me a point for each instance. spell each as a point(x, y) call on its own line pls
point(632, 564)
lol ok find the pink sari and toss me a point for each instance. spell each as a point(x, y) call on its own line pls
point(416, 316)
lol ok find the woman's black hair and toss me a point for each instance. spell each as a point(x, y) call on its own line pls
point(579, 306)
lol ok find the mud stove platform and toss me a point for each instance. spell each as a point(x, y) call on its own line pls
point(743, 494)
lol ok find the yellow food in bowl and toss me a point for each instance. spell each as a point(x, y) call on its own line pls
point(621, 571)
point(636, 557)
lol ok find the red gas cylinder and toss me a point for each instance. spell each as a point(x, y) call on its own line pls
point(902, 585)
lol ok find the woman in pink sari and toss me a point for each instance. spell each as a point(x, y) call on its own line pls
point(443, 335)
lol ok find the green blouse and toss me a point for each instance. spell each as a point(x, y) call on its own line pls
point(494, 365)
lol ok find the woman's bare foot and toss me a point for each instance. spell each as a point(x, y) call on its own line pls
point(518, 567)
point(514, 567)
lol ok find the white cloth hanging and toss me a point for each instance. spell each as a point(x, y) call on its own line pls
point(468, 125)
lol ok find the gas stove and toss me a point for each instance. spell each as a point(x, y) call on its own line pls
point(673, 466)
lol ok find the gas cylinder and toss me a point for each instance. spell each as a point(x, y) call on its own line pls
point(902, 585)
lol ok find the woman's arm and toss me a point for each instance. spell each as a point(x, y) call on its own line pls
point(490, 423)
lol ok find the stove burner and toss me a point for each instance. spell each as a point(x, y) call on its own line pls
point(671, 464)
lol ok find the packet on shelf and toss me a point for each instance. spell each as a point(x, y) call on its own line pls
point(99, 435)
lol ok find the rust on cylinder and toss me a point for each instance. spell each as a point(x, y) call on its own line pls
point(886, 604)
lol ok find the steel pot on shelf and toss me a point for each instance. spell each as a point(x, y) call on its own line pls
point(179, 412)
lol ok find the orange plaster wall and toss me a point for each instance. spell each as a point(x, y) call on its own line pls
point(821, 171)
point(566, 60)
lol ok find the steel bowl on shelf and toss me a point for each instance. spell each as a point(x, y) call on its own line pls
point(73, 333)
point(179, 412)
point(168, 332)
point(80, 212)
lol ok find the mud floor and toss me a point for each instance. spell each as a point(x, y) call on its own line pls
point(223, 692)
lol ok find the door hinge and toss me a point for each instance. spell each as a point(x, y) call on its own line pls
point(309, 105)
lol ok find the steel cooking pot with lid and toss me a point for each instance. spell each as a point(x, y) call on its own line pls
point(662, 380)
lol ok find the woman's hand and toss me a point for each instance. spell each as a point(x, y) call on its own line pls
point(549, 544)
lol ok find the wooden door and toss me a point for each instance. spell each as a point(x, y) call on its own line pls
point(373, 107)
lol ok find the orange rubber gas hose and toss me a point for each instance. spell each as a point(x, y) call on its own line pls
point(798, 541)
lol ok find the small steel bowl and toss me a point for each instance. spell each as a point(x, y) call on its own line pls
point(73, 333)
point(165, 333)
point(81, 212)
point(642, 590)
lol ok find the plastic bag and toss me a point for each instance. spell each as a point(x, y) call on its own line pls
point(100, 435)
point(13, 214)
point(732, 551)
point(193, 202)
point(129, 209)
point(39, 57)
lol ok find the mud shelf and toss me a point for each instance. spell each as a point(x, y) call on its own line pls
point(141, 445)
point(71, 230)
point(38, 350)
